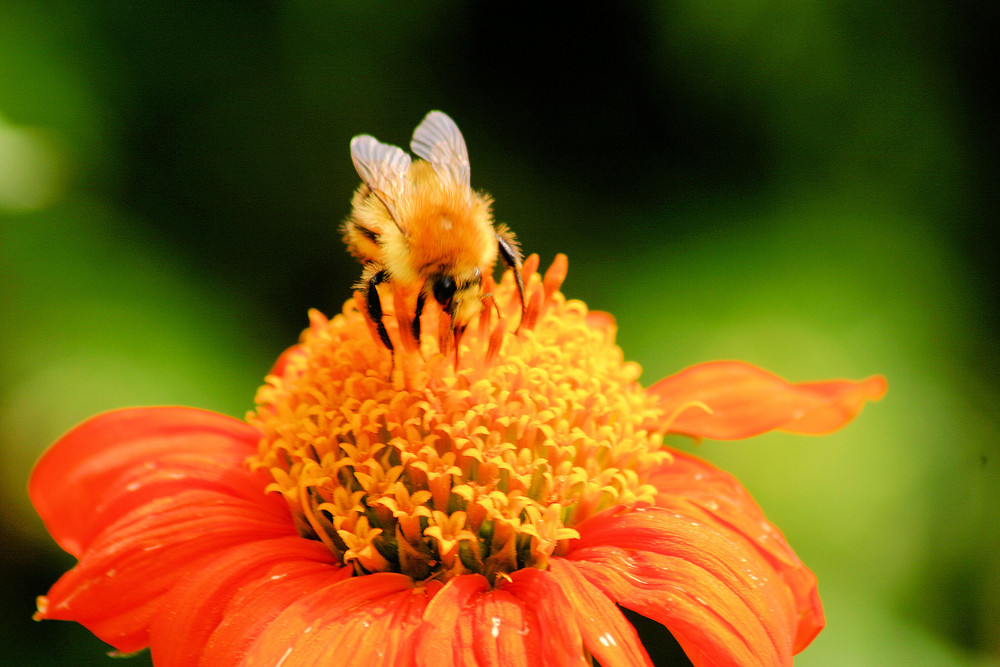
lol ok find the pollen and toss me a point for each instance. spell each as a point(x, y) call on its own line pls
point(435, 464)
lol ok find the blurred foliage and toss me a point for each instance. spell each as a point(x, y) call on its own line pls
point(809, 186)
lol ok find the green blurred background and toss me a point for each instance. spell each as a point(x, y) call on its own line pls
point(808, 186)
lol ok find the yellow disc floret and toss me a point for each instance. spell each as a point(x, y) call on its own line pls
point(435, 468)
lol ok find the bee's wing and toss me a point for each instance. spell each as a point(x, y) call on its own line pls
point(381, 166)
point(438, 141)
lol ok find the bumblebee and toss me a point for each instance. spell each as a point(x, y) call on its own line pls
point(418, 224)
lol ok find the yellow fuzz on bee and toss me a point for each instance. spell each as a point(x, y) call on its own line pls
point(444, 468)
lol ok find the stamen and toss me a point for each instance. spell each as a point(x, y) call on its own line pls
point(534, 310)
point(555, 275)
point(496, 339)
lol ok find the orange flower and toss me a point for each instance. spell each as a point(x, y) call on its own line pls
point(493, 512)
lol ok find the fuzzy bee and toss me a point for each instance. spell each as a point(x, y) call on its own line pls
point(418, 224)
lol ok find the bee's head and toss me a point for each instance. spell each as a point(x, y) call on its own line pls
point(459, 294)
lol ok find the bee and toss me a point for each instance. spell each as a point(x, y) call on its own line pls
point(418, 224)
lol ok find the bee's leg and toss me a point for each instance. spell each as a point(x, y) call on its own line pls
point(457, 335)
point(415, 326)
point(512, 258)
point(375, 307)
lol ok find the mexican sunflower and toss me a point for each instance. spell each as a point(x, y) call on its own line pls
point(497, 510)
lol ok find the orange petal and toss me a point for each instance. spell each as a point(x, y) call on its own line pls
point(367, 621)
point(252, 608)
point(200, 603)
point(708, 584)
point(118, 461)
point(723, 500)
point(745, 401)
point(117, 588)
point(606, 632)
point(561, 644)
point(468, 623)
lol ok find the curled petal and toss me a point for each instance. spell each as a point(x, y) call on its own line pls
point(470, 624)
point(113, 463)
point(447, 634)
point(527, 620)
point(606, 632)
point(560, 643)
point(744, 401)
point(367, 621)
point(708, 584)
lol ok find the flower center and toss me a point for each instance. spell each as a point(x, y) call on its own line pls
point(481, 466)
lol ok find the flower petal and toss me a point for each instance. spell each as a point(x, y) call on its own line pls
point(111, 464)
point(252, 608)
point(117, 588)
point(468, 623)
point(199, 604)
point(606, 632)
point(707, 583)
point(560, 643)
point(723, 500)
point(745, 400)
point(362, 621)
point(447, 634)
point(524, 622)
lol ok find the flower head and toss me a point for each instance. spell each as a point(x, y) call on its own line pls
point(415, 510)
